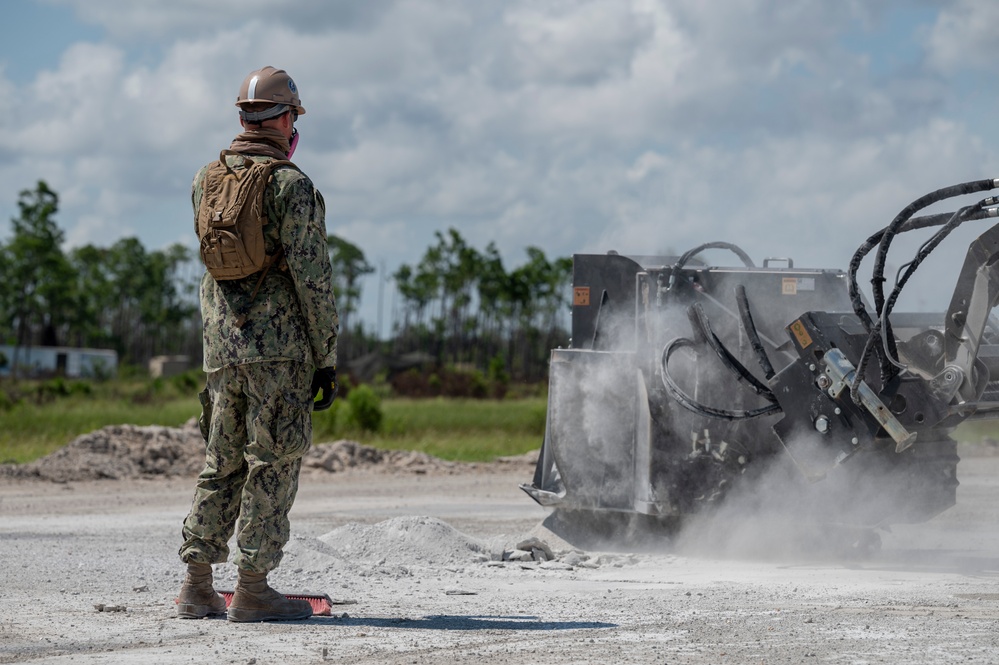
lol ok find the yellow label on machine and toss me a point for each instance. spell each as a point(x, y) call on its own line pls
point(801, 334)
point(789, 286)
point(580, 296)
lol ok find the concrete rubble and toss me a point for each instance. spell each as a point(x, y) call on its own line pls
point(121, 452)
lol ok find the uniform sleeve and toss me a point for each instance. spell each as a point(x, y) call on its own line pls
point(196, 193)
point(303, 236)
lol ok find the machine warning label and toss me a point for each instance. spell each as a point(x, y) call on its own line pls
point(801, 334)
point(580, 296)
point(790, 286)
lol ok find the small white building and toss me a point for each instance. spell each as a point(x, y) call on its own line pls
point(164, 366)
point(35, 361)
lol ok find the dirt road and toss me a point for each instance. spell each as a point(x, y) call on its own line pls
point(410, 561)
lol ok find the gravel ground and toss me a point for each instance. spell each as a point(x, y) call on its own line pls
point(412, 558)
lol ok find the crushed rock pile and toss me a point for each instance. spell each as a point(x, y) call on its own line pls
point(343, 455)
point(403, 540)
point(397, 546)
point(119, 452)
point(122, 452)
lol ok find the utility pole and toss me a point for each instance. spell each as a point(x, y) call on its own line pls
point(381, 296)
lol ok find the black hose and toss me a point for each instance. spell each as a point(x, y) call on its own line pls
point(728, 360)
point(955, 220)
point(912, 224)
point(891, 230)
point(752, 333)
point(941, 218)
point(693, 405)
point(902, 222)
point(690, 253)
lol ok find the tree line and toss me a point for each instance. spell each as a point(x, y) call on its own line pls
point(457, 306)
point(463, 307)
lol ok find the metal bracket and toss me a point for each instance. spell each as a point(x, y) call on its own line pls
point(842, 372)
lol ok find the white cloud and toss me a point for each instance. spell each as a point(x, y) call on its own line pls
point(143, 20)
point(638, 125)
point(964, 36)
point(577, 43)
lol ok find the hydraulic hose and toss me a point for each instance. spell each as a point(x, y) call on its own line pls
point(693, 405)
point(690, 253)
point(877, 281)
point(912, 224)
point(902, 222)
point(752, 333)
point(728, 360)
point(882, 327)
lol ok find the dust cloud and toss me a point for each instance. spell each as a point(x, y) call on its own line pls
point(640, 472)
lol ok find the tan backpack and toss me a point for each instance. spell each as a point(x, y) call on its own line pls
point(231, 217)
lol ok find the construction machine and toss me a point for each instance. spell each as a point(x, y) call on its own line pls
point(688, 385)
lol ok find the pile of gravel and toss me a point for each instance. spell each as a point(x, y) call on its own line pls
point(406, 540)
point(345, 455)
point(121, 452)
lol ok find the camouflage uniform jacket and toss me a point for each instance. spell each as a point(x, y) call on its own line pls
point(293, 316)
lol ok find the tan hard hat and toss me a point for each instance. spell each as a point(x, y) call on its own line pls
point(272, 86)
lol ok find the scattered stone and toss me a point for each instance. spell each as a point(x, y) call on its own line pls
point(535, 543)
point(530, 458)
point(555, 565)
point(517, 555)
point(101, 607)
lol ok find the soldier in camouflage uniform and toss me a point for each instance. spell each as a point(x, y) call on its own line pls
point(270, 349)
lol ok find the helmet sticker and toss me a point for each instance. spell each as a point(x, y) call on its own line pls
point(291, 86)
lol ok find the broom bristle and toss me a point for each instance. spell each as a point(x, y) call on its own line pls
point(321, 604)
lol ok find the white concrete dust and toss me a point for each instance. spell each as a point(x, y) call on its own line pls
point(400, 555)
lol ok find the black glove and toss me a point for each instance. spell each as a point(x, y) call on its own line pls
point(324, 380)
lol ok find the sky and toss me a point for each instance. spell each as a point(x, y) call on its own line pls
point(575, 126)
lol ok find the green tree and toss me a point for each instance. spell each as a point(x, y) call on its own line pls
point(349, 266)
point(93, 296)
point(148, 313)
point(538, 293)
point(163, 311)
point(493, 312)
point(459, 266)
point(479, 311)
point(38, 289)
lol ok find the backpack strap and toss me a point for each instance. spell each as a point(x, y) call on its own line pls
point(247, 162)
point(270, 260)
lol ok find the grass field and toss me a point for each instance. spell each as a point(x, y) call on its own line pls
point(28, 432)
point(454, 429)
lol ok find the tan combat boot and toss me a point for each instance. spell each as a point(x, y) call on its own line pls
point(255, 601)
point(197, 596)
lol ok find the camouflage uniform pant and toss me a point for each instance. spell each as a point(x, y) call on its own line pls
point(259, 425)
